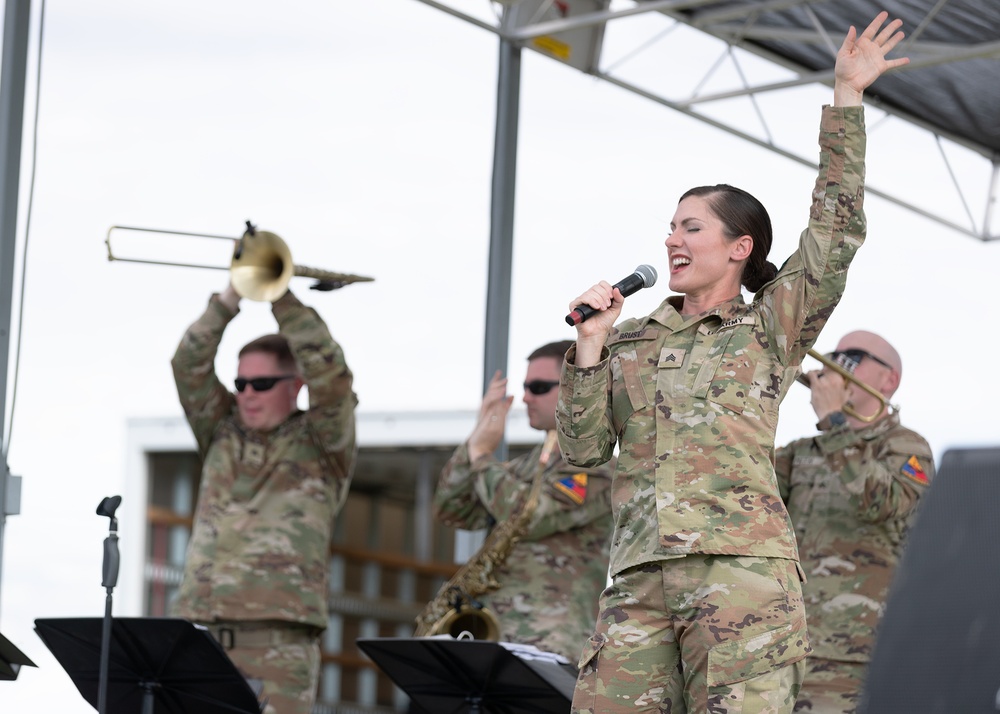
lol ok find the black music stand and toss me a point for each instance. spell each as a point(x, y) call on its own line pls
point(166, 664)
point(449, 676)
point(11, 659)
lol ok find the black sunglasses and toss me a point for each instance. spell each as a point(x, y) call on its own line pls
point(540, 386)
point(850, 359)
point(260, 384)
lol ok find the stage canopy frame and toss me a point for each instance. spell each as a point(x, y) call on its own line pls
point(757, 51)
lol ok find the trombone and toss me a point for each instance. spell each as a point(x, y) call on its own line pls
point(846, 374)
point(260, 269)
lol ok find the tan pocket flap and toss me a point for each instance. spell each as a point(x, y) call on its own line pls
point(739, 660)
point(591, 650)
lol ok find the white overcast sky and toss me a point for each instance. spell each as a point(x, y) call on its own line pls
point(362, 133)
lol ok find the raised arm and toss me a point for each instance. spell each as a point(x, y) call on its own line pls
point(203, 397)
point(324, 369)
point(457, 501)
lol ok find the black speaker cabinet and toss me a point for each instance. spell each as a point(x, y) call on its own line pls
point(938, 645)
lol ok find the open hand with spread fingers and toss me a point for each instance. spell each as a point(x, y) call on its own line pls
point(862, 60)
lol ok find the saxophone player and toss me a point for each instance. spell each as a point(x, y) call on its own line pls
point(551, 579)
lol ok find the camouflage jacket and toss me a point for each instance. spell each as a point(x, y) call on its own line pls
point(693, 399)
point(267, 501)
point(851, 495)
point(553, 577)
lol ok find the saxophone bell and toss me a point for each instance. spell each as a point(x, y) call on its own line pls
point(467, 615)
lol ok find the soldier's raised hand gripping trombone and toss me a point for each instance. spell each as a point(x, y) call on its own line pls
point(705, 609)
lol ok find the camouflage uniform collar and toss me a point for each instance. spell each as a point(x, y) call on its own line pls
point(840, 438)
point(873, 431)
point(669, 312)
point(259, 436)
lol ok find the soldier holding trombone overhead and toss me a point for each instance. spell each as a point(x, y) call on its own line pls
point(273, 480)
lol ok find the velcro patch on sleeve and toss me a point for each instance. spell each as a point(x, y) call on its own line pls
point(574, 486)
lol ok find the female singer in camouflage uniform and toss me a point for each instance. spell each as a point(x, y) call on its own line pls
point(705, 613)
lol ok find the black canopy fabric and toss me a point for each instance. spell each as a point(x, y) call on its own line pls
point(165, 663)
point(952, 84)
point(11, 659)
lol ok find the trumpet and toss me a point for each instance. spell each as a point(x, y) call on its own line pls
point(846, 374)
point(261, 266)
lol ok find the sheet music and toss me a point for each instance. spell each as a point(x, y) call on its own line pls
point(553, 668)
point(530, 652)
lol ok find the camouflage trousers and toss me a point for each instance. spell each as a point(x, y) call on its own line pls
point(697, 635)
point(283, 657)
point(831, 687)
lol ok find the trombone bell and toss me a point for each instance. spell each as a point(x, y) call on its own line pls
point(848, 376)
point(261, 267)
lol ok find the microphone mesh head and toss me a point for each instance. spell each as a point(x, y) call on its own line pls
point(648, 275)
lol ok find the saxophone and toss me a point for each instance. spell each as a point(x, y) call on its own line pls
point(455, 609)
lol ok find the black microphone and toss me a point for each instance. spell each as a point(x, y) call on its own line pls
point(643, 277)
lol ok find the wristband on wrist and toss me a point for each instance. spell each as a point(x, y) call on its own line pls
point(832, 421)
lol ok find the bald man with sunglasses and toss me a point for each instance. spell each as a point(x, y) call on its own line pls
point(273, 480)
point(551, 581)
point(852, 493)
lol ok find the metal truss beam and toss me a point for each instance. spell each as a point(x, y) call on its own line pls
point(736, 26)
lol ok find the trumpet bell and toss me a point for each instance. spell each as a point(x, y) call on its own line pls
point(261, 267)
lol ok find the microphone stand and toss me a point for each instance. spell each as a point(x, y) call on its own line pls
point(107, 508)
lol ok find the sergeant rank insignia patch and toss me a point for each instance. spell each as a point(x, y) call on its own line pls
point(574, 486)
point(912, 469)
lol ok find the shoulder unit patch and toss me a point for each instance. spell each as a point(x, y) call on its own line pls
point(574, 486)
point(914, 471)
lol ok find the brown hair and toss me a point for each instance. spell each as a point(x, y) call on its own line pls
point(275, 345)
point(742, 214)
point(552, 349)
